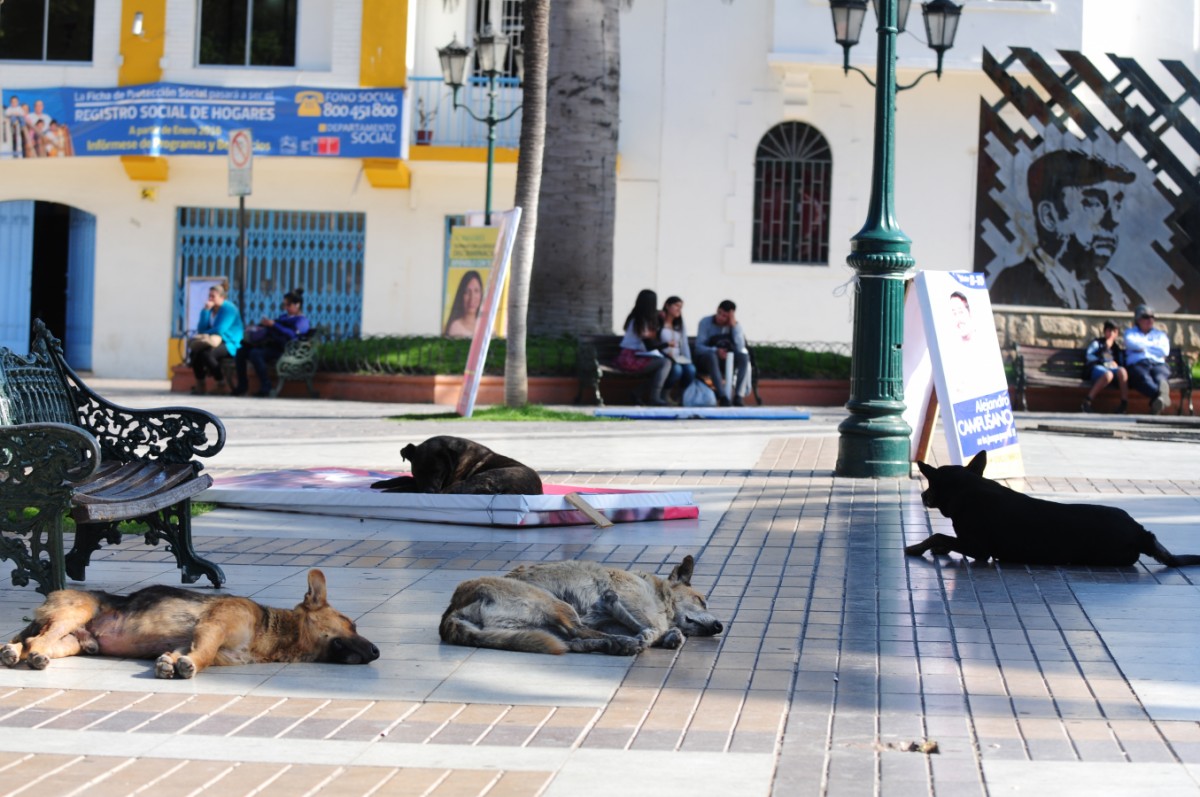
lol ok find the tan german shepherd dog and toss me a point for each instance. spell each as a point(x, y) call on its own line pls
point(187, 631)
point(579, 606)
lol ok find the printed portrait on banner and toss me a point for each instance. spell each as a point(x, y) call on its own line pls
point(1074, 215)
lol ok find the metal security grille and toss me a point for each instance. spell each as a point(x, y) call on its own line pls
point(317, 251)
point(792, 170)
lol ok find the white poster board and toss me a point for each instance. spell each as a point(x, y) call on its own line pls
point(950, 339)
point(487, 312)
point(196, 295)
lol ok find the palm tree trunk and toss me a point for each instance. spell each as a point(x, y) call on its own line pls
point(529, 180)
point(571, 286)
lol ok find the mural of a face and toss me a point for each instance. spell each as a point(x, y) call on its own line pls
point(1088, 228)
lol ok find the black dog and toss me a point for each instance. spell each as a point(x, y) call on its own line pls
point(993, 522)
point(446, 464)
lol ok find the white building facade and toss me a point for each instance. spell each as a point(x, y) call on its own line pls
point(703, 84)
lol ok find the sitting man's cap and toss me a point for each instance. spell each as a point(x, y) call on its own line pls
point(1143, 311)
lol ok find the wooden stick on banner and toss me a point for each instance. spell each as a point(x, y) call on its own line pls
point(576, 500)
point(929, 423)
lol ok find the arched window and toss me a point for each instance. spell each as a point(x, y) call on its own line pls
point(792, 171)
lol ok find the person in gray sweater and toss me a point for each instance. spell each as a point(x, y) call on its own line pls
point(719, 337)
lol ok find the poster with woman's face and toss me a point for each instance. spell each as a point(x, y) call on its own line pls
point(468, 269)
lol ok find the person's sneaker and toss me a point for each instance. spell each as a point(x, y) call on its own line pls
point(198, 389)
point(724, 402)
point(1086, 406)
point(1123, 407)
point(1162, 402)
point(737, 401)
point(240, 390)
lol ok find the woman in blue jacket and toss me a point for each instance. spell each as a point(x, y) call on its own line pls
point(218, 334)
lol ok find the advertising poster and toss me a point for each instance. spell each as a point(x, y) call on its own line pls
point(162, 119)
point(468, 270)
point(959, 334)
point(490, 310)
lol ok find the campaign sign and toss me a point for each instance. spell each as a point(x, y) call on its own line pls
point(174, 119)
point(968, 374)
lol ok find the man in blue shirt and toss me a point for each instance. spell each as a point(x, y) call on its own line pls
point(1146, 350)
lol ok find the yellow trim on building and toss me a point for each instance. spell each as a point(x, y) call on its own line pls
point(462, 154)
point(141, 56)
point(143, 168)
point(387, 173)
point(384, 39)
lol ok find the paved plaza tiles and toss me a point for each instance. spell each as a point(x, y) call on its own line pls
point(838, 650)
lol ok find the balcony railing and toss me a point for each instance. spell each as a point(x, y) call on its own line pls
point(455, 128)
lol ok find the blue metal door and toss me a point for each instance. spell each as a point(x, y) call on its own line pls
point(16, 273)
point(81, 273)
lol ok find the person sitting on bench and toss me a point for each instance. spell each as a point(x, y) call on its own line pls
point(265, 342)
point(719, 337)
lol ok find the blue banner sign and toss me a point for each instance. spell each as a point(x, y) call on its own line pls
point(176, 119)
point(984, 423)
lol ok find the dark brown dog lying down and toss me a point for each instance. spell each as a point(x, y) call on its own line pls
point(445, 464)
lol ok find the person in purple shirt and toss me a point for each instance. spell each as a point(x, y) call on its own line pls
point(264, 344)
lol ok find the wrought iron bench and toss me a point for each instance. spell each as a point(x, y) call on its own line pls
point(1048, 366)
point(299, 361)
point(65, 449)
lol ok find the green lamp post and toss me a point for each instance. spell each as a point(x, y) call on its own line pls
point(874, 440)
point(491, 48)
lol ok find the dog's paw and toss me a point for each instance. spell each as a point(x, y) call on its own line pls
point(164, 667)
point(185, 667)
point(37, 661)
point(625, 646)
point(915, 550)
point(609, 598)
point(10, 654)
point(672, 639)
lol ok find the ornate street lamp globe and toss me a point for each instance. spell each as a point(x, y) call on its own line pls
point(941, 24)
point(848, 18)
point(454, 57)
point(491, 48)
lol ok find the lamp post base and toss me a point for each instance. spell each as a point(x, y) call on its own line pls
point(873, 443)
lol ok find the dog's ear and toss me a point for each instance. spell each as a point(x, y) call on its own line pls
point(682, 572)
point(316, 597)
point(408, 451)
point(926, 470)
point(977, 464)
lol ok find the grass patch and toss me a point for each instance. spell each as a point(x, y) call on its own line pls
point(530, 412)
point(125, 526)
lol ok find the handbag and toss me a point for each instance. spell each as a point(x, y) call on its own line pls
point(698, 394)
point(198, 341)
point(255, 335)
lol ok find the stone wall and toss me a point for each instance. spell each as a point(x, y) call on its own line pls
point(1045, 326)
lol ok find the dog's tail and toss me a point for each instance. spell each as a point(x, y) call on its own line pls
point(1152, 547)
point(458, 630)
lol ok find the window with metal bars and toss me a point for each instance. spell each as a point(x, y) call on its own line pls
point(792, 171)
point(505, 16)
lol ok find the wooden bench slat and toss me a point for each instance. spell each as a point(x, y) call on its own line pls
point(130, 481)
point(132, 508)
